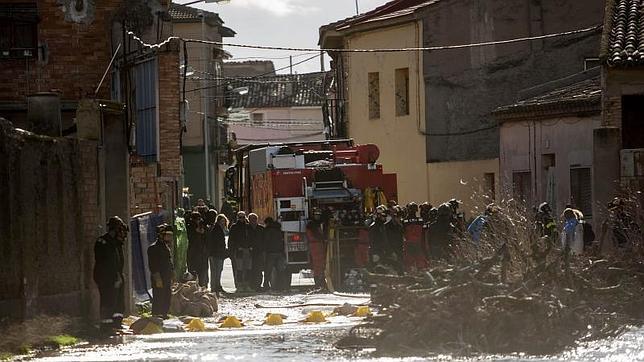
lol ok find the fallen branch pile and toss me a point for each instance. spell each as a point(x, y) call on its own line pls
point(524, 296)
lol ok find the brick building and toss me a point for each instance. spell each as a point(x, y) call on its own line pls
point(70, 70)
point(619, 142)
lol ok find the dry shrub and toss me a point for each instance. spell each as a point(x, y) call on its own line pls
point(512, 292)
point(36, 332)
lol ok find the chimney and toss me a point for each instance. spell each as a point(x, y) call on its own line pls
point(43, 114)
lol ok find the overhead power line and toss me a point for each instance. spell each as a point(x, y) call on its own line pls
point(375, 50)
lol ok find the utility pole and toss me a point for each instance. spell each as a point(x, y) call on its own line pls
point(322, 60)
point(357, 11)
point(204, 105)
point(290, 59)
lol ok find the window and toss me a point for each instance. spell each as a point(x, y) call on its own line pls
point(374, 95)
point(490, 187)
point(632, 121)
point(581, 190)
point(146, 110)
point(590, 63)
point(18, 30)
point(402, 91)
point(257, 118)
point(521, 182)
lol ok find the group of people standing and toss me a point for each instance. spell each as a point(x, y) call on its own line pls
point(256, 250)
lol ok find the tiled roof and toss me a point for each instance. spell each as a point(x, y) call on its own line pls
point(625, 33)
point(186, 14)
point(284, 90)
point(390, 10)
point(584, 96)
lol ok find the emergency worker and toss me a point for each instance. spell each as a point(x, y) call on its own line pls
point(240, 249)
point(317, 247)
point(424, 211)
point(480, 223)
point(108, 274)
point(440, 234)
point(414, 246)
point(395, 238)
point(379, 246)
point(258, 253)
point(161, 271)
point(545, 222)
point(275, 267)
point(458, 217)
point(197, 253)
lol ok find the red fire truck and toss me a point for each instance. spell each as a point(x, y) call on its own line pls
point(286, 181)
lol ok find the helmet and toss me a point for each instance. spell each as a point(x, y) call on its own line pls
point(444, 210)
point(381, 210)
point(115, 223)
point(164, 228)
point(544, 207)
point(316, 211)
point(455, 203)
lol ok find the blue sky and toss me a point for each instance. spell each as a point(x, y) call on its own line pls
point(292, 23)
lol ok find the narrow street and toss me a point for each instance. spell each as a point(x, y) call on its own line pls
point(294, 340)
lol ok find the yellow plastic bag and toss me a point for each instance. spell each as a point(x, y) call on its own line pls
point(151, 328)
point(315, 316)
point(274, 319)
point(231, 322)
point(362, 311)
point(196, 325)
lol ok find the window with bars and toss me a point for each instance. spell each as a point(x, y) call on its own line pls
point(402, 91)
point(18, 30)
point(581, 190)
point(146, 110)
point(521, 186)
point(374, 95)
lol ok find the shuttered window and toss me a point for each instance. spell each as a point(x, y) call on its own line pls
point(581, 190)
point(146, 110)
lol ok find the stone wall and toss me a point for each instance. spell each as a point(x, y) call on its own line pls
point(463, 86)
point(49, 220)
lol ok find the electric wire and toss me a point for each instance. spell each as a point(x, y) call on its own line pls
point(374, 50)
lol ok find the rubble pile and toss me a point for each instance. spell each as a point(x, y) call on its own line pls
point(524, 296)
point(190, 299)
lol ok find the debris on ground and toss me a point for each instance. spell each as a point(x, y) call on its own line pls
point(514, 294)
point(191, 299)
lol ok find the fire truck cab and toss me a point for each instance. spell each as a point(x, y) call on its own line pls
point(286, 181)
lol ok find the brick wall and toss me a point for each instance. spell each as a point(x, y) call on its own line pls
point(76, 55)
point(148, 182)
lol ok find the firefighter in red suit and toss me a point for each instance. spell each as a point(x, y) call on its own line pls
point(414, 246)
point(317, 247)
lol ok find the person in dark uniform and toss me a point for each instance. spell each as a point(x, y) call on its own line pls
point(240, 252)
point(161, 271)
point(380, 249)
point(197, 255)
point(275, 273)
point(258, 252)
point(108, 273)
point(440, 234)
point(395, 238)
